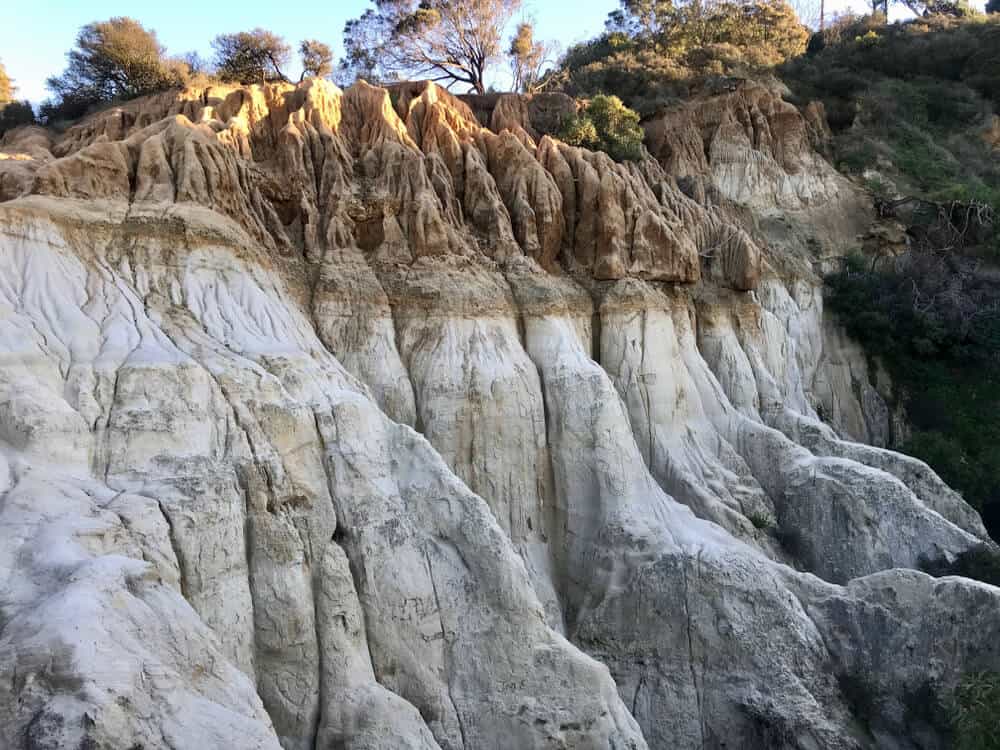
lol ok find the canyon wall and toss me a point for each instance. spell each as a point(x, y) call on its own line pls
point(335, 419)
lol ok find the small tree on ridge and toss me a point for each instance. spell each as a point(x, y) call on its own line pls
point(255, 56)
point(451, 41)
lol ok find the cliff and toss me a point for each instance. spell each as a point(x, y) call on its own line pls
point(335, 419)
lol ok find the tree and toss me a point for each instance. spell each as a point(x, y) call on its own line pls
point(14, 114)
point(652, 49)
point(759, 29)
point(993, 6)
point(317, 59)
point(251, 56)
point(879, 8)
point(811, 13)
point(452, 41)
point(975, 706)
point(115, 59)
point(957, 8)
point(7, 87)
point(606, 124)
point(642, 18)
point(196, 64)
point(528, 58)
point(769, 25)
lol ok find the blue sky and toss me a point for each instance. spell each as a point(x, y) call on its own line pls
point(35, 34)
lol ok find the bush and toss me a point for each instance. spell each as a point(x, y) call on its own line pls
point(113, 60)
point(251, 56)
point(934, 321)
point(14, 115)
point(642, 77)
point(976, 708)
point(962, 50)
point(651, 58)
point(7, 88)
point(579, 131)
point(761, 520)
point(65, 108)
point(606, 124)
point(981, 563)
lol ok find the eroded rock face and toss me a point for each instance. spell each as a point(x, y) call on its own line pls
point(335, 420)
point(754, 147)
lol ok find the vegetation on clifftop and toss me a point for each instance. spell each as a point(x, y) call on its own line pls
point(12, 112)
point(911, 106)
point(606, 124)
point(910, 100)
point(653, 52)
point(977, 706)
point(934, 321)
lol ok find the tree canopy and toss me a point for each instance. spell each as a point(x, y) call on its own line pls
point(606, 124)
point(652, 49)
point(449, 41)
point(115, 59)
point(317, 59)
point(7, 87)
point(12, 112)
point(255, 56)
point(528, 58)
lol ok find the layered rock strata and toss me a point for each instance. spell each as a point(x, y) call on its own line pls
point(333, 419)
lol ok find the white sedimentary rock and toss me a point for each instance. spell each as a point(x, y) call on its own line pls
point(333, 422)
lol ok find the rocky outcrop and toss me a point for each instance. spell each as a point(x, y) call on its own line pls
point(22, 152)
point(753, 147)
point(335, 419)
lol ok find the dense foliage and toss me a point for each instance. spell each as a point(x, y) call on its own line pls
point(606, 124)
point(907, 103)
point(934, 321)
point(977, 706)
point(113, 59)
point(847, 57)
point(12, 112)
point(255, 56)
point(317, 59)
point(652, 49)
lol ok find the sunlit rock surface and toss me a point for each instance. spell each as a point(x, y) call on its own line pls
point(329, 422)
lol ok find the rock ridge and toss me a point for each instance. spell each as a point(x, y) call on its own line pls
point(337, 419)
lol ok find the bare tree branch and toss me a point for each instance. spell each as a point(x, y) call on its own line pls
point(457, 40)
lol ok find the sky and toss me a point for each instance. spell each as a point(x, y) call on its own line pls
point(36, 34)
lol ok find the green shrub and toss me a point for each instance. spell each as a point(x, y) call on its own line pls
point(965, 50)
point(761, 519)
point(606, 124)
point(854, 154)
point(981, 563)
point(579, 130)
point(15, 114)
point(113, 60)
point(649, 56)
point(935, 324)
point(976, 708)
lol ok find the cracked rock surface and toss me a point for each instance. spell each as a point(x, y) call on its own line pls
point(334, 419)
